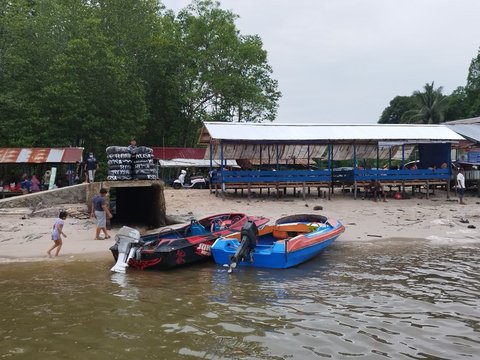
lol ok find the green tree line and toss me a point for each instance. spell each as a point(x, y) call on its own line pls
point(93, 73)
point(431, 106)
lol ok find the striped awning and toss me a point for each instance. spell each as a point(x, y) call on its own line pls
point(40, 155)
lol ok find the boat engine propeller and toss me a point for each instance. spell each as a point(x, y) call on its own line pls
point(249, 234)
point(126, 238)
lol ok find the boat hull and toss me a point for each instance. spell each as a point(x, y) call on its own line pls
point(182, 246)
point(271, 252)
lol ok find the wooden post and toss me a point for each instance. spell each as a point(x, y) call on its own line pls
point(303, 191)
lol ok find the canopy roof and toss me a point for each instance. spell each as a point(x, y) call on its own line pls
point(468, 128)
point(267, 143)
point(40, 155)
point(214, 132)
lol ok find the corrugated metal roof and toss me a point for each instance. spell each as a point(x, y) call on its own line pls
point(475, 120)
point(469, 131)
point(328, 133)
point(40, 155)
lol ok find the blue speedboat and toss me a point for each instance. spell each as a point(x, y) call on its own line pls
point(292, 240)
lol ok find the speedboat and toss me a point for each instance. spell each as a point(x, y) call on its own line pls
point(173, 247)
point(292, 240)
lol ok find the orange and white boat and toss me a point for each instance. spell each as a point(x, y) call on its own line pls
point(292, 240)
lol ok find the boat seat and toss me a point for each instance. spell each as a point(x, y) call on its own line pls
point(197, 229)
point(279, 234)
point(282, 231)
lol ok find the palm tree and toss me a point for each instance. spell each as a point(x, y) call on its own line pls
point(430, 106)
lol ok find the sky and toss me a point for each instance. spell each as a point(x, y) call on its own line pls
point(343, 61)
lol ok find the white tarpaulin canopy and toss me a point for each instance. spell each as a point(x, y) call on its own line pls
point(275, 132)
point(263, 143)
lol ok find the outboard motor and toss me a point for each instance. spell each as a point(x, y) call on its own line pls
point(249, 234)
point(126, 238)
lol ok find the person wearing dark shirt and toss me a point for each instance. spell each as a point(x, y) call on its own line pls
point(101, 212)
point(91, 166)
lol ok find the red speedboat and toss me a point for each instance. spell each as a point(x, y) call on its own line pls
point(173, 247)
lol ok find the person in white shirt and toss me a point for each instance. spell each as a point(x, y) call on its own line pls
point(461, 185)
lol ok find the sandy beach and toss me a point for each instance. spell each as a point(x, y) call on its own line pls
point(24, 237)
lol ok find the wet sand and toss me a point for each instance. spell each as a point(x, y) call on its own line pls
point(26, 238)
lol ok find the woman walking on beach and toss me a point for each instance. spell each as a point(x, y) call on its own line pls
point(57, 233)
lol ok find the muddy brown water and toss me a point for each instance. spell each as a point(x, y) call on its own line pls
point(371, 300)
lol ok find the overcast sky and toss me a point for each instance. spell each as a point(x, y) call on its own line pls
point(342, 61)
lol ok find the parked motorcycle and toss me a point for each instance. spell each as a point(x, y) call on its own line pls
point(195, 182)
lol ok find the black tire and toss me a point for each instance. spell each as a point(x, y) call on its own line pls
point(117, 150)
point(119, 162)
point(145, 177)
point(176, 186)
point(142, 150)
point(143, 156)
point(119, 156)
point(120, 167)
point(127, 172)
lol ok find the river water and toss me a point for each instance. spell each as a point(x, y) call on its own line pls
point(400, 299)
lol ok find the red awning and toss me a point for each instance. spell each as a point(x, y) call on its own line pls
point(168, 153)
point(40, 155)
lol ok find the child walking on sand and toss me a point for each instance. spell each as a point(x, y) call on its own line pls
point(57, 232)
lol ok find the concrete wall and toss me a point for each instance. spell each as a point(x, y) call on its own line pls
point(145, 198)
point(67, 195)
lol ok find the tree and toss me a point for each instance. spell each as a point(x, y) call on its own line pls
point(91, 88)
point(456, 105)
point(227, 77)
point(429, 106)
point(204, 70)
point(25, 54)
point(93, 73)
point(472, 89)
point(394, 112)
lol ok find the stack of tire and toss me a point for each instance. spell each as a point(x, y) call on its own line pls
point(119, 160)
point(143, 166)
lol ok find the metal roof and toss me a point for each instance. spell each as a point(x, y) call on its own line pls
point(40, 155)
point(475, 120)
point(469, 131)
point(258, 132)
